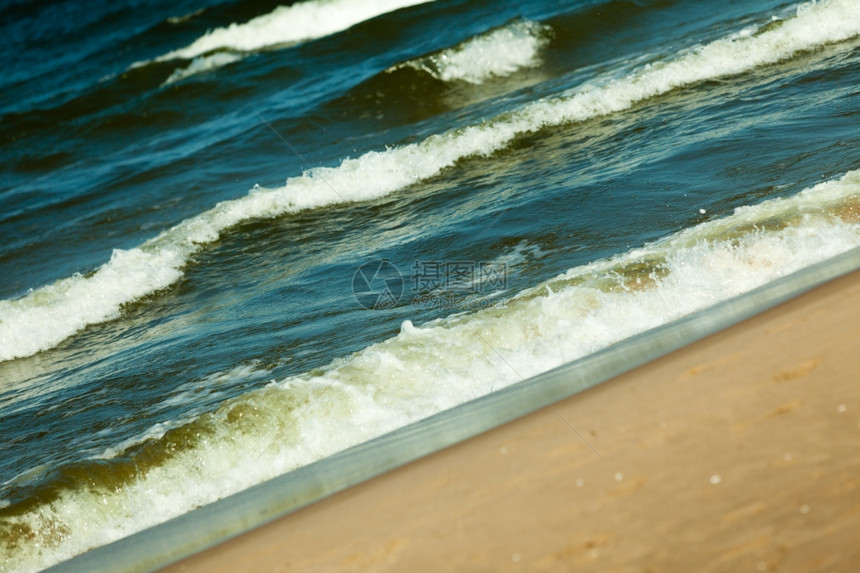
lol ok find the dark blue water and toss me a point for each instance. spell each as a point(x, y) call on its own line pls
point(182, 223)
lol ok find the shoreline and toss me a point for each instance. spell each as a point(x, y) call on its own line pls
point(721, 456)
point(246, 515)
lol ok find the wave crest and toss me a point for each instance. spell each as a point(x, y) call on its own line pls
point(289, 25)
point(496, 53)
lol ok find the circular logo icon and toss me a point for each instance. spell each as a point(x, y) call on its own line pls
point(377, 285)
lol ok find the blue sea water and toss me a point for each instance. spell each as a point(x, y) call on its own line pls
point(238, 237)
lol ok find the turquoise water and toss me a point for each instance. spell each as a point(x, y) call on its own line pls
point(238, 238)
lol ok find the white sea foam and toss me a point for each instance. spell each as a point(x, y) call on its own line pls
point(47, 316)
point(496, 53)
point(203, 64)
point(289, 25)
point(433, 367)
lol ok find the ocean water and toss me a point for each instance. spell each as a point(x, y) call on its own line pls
point(237, 237)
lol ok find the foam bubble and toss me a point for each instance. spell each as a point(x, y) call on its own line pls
point(47, 316)
point(496, 53)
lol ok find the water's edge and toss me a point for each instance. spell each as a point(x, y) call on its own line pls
point(166, 543)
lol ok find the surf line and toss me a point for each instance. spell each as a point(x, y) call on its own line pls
point(546, 402)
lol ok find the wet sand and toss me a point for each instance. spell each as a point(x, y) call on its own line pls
point(740, 452)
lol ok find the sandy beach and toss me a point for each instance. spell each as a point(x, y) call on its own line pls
point(737, 453)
